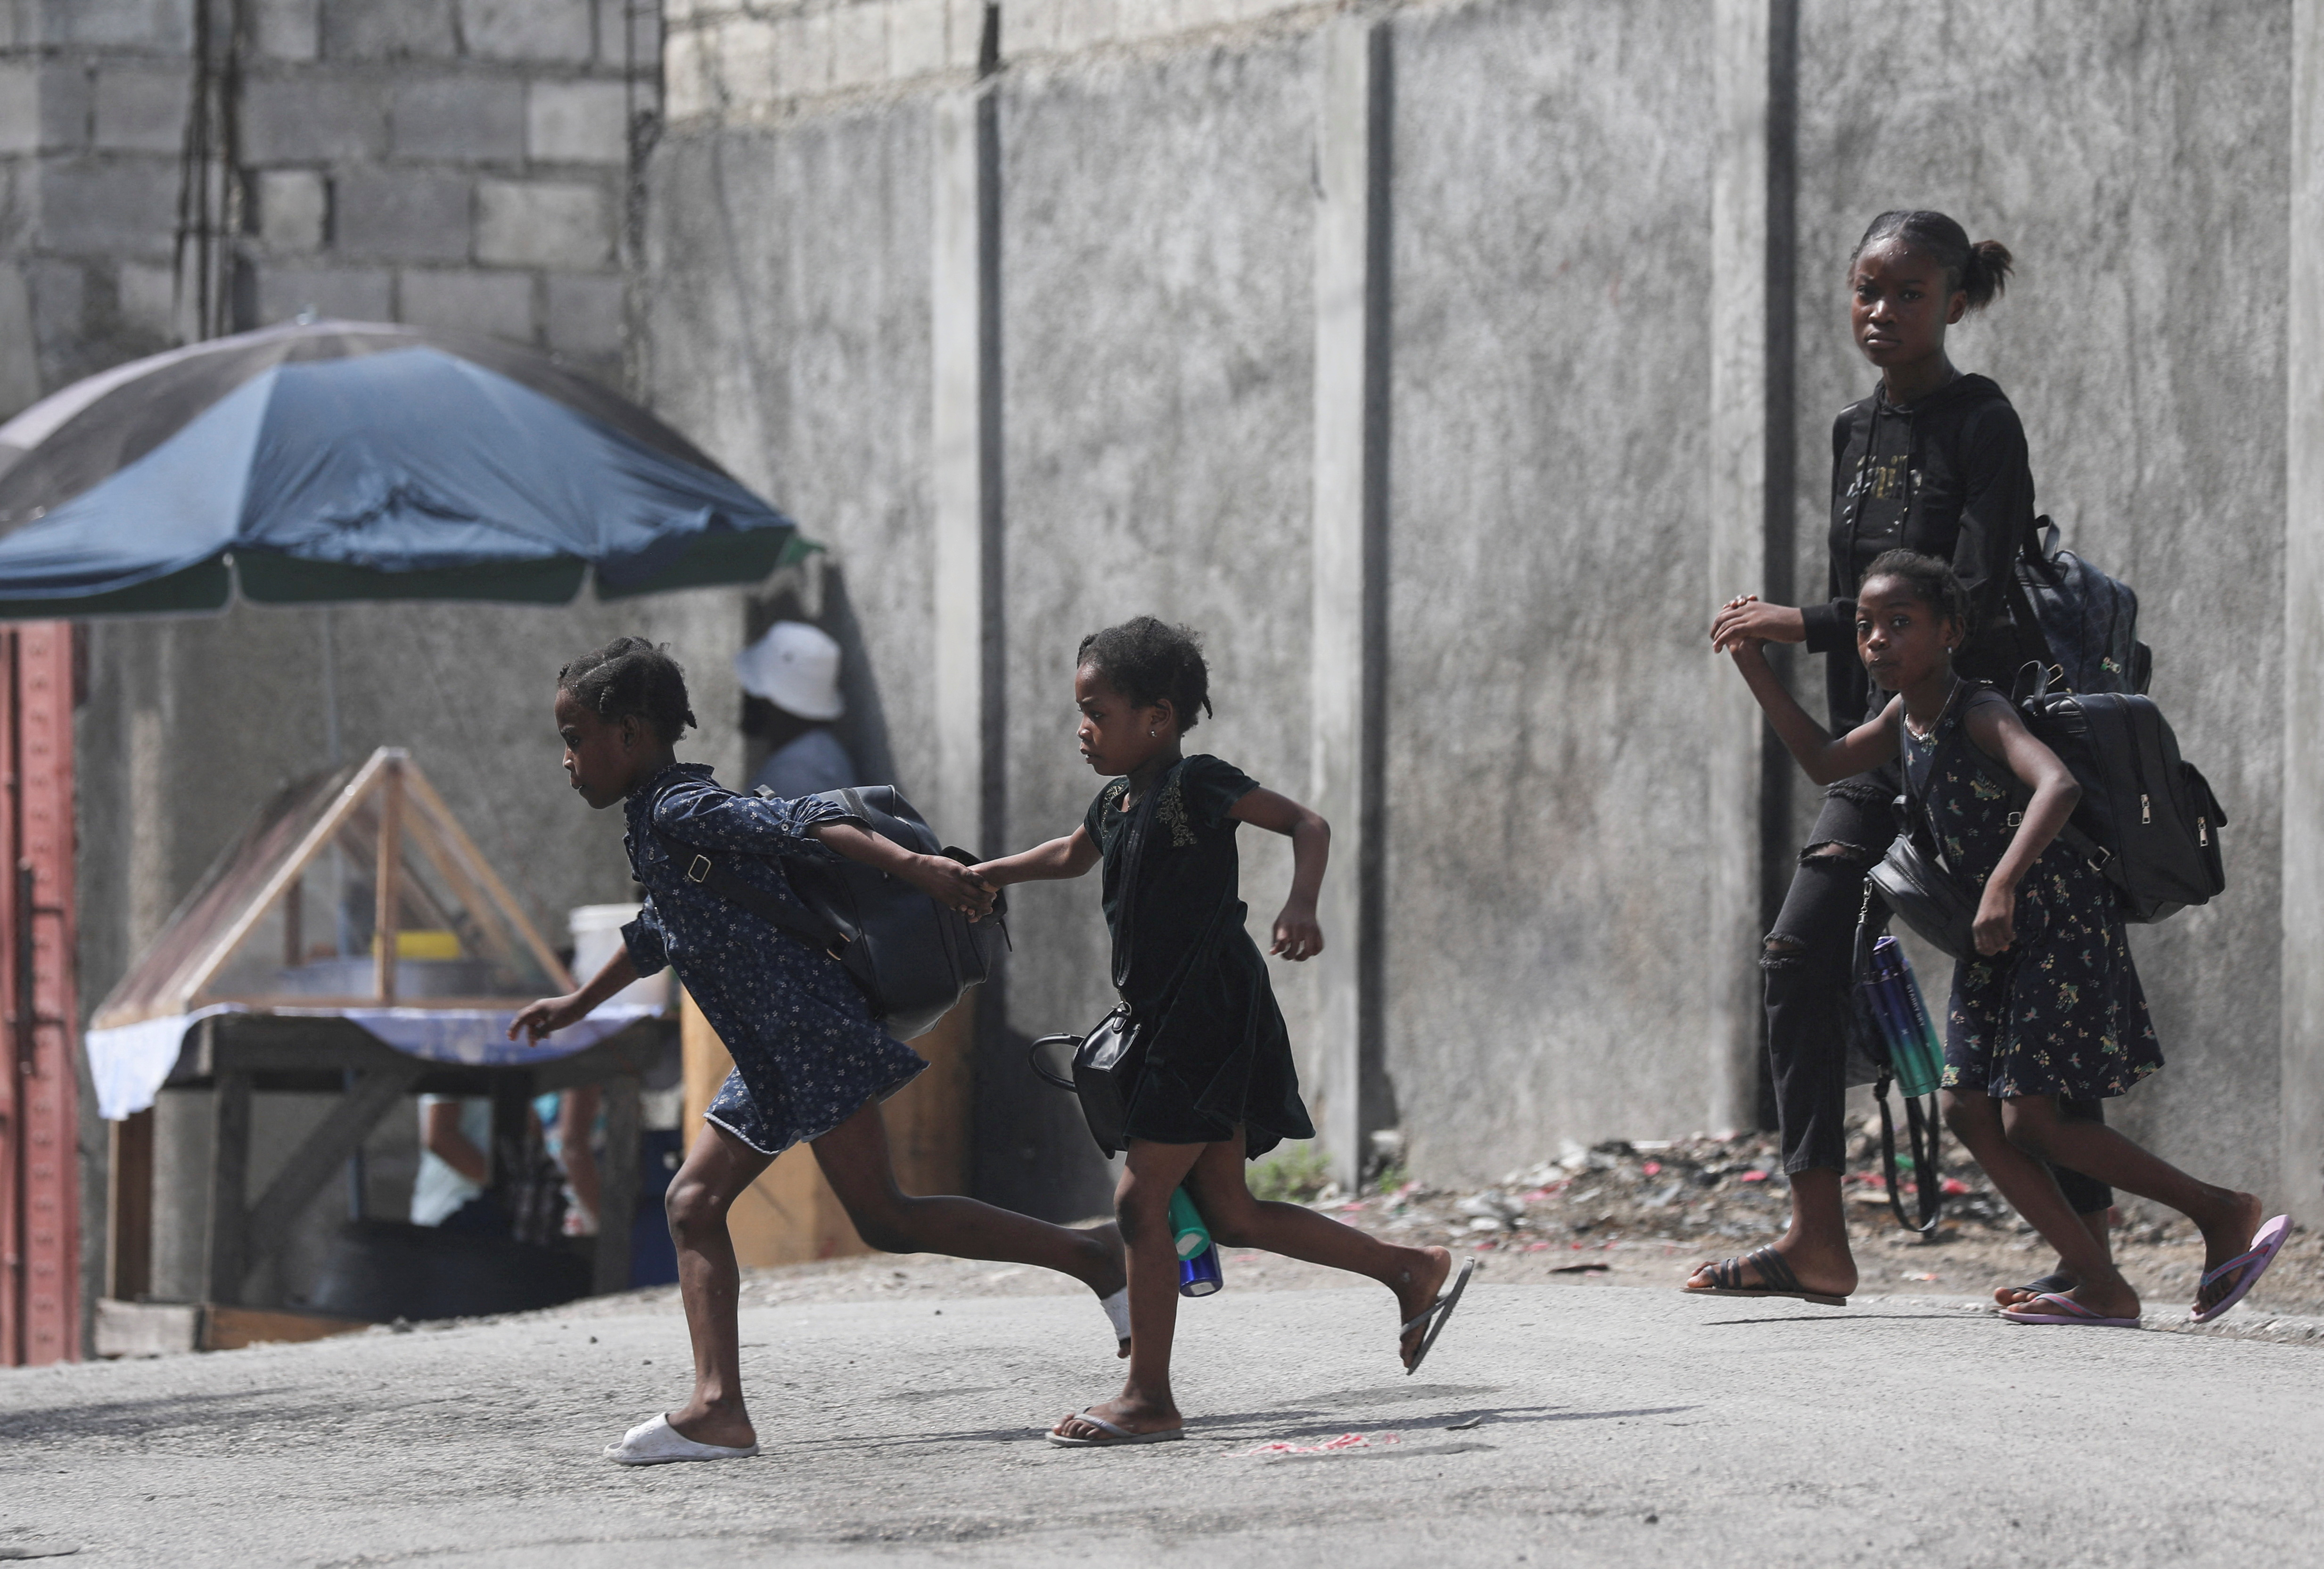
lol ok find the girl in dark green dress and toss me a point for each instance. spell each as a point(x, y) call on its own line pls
point(1216, 1084)
point(2049, 1009)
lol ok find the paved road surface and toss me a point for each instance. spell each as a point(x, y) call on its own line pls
point(1613, 1426)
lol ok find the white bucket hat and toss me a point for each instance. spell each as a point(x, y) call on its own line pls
point(795, 667)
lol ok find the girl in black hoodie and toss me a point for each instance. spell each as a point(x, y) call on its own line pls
point(1933, 462)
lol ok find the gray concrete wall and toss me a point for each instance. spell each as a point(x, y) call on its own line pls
point(1547, 430)
point(2134, 159)
point(1546, 777)
point(1156, 244)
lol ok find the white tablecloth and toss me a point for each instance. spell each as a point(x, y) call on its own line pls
point(129, 1063)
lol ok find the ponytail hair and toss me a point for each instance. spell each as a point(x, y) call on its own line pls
point(631, 677)
point(1980, 271)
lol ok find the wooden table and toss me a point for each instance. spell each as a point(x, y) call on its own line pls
point(239, 1055)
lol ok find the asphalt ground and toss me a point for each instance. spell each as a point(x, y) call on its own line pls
point(1604, 1425)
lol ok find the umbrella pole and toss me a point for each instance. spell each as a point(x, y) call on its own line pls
point(330, 695)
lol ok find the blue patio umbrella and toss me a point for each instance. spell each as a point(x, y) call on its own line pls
point(336, 461)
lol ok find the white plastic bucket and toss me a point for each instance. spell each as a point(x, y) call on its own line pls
point(597, 937)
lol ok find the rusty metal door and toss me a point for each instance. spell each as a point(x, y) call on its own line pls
point(40, 1229)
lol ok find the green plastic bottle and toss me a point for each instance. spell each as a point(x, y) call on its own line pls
point(1187, 1232)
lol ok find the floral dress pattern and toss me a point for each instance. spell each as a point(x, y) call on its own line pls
point(2060, 1011)
point(807, 1054)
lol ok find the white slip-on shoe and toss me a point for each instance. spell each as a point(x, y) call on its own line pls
point(657, 1443)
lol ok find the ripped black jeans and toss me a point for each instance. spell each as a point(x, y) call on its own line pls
point(1807, 962)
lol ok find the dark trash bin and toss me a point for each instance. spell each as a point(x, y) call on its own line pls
point(382, 1271)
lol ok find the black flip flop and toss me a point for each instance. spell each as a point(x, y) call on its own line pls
point(1440, 1310)
point(1775, 1277)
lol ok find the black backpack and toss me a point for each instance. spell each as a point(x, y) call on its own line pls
point(913, 958)
point(2088, 619)
point(2147, 818)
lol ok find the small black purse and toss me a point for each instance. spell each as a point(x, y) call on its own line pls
point(1922, 892)
point(1107, 1060)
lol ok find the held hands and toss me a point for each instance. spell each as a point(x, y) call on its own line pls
point(1743, 622)
point(951, 884)
point(547, 1017)
point(1297, 935)
point(1996, 917)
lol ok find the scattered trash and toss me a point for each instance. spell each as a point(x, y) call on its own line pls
point(1590, 1268)
point(1329, 1446)
point(1466, 1423)
point(1665, 1190)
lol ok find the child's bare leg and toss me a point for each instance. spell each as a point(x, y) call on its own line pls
point(1976, 1120)
point(717, 1168)
point(1815, 1244)
point(855, 1161)
point(2226, 1218)
point(1141, 1205)
point(1238, 1220)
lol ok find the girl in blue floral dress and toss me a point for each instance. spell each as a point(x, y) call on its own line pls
point(811, 1065)
point(2049, 1009)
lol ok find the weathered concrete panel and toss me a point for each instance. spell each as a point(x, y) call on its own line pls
point(584, 315)
point(408, 214)
point(165, 26)
point(357, 29)
point(294, 210)
point(67, 96)
point(2134, 159)
point(119, 207)
point(289, 30)
point(543, 224)
point(348, 293)
point(142, 109)
point(20, 107)
point(311, 117)
point(1158, 331)
point(499, 304)
point(1546, 860)
point(471, 117)
point(578, 122)
point(561, 32)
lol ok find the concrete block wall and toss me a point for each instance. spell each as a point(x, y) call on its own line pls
point(93, 107)
point(453, 163)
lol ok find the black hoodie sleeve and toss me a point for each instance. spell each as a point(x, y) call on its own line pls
point(1833, 623)
point(1996, 506)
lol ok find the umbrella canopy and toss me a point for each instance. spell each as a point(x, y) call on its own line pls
point(333, 461)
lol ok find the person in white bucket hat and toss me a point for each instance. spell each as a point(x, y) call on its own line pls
point(794, 672)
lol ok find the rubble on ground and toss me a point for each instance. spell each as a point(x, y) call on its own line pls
point(1670, 1190)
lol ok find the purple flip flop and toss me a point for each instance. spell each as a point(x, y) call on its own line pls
point(2057, 1307)
point(2253, 1262)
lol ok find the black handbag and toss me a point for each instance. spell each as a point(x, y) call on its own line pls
point(1107, 1060)
point(1928, 897)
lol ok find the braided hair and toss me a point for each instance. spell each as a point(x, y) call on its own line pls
point(1930, 580)
point(630, 677)
point(1980, 271)
point(1147, 660)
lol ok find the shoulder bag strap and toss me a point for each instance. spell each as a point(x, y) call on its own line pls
point(702, 870)
point(707, 872)
point(2073, 838)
